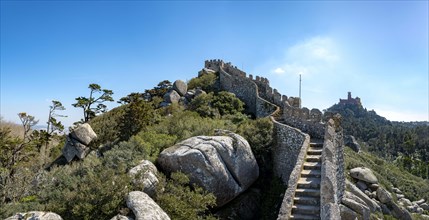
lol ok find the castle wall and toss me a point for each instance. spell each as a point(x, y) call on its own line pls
point(289, 142)
point(307, 121)
point(332, 184)
point(243, 88)
point(294, 142)
point(292, 136)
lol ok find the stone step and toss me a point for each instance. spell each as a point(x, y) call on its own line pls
point(305, 217)
point(316, 144)
point(306, 200)
point(305, 209)
point(314, 151)
point(313, 183)
point(314, 158)
point(312, 165)
point(311, 173)
point(307, 192)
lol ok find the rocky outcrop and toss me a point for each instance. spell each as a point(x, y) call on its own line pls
point(180, 87)
point(171, 97)
point(384, 196)
point(364, 174)
point(77, 142)
point(373, 206)
point(145, 174)
point(144, 207)
point(223, 165)
point(35, 215)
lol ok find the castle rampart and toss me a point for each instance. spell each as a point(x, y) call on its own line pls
point(332, 185)
point(293, 127)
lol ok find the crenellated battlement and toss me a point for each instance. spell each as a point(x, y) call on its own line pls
point(264, 89)
point(309, 121)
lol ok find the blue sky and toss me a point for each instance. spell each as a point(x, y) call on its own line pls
point(378, 50)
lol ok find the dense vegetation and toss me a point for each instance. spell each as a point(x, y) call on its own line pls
point(405, 144)
point(95, 187)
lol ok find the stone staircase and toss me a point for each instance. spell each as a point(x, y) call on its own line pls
point(306, 203)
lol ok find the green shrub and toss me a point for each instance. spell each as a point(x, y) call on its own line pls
point(187, 124)
point(84, 190)
point(216, 105)
point(206, 82)
point(259, 134)
point(182, 201)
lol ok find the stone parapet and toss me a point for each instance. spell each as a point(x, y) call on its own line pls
point(290, 142)
point(332, 184)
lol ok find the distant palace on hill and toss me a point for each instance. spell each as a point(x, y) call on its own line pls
point(350, 100)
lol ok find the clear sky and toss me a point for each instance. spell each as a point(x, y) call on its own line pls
point(378, 50)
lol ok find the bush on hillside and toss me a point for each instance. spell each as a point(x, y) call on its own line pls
point(187, 124)
point(180, 200)
point(217, 105)
point(206, 82)
point(259, 134)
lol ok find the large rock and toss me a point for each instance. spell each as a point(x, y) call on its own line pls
point(347, 213)
point(172, 97)
point(425, 206)
point(383, 195)
point(405, 201)
point(357, 207)
point(361, 185)
point(146, 174)
point(351, 142)
point(74, 148)
point(77, 142)
point(419, 202)
point(190, 94)
point(35, 215)
point(223, 165)
point(83, 133)
point(144, 208)
point(357, 192)
point(180, 87)
point(399, 212)
point(364, 174)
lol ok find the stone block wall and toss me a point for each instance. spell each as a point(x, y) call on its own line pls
point(244, 88)
point(282, 164)
point(332, 185)
point(290, 143)
point(308, 121)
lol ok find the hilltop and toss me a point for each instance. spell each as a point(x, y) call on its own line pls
point(404, 143)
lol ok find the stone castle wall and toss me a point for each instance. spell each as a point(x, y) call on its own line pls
point(332, 184)
point(308, 121)
point(263, 84)
point(289, 141)
point(298, 145)
point(291, 136)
